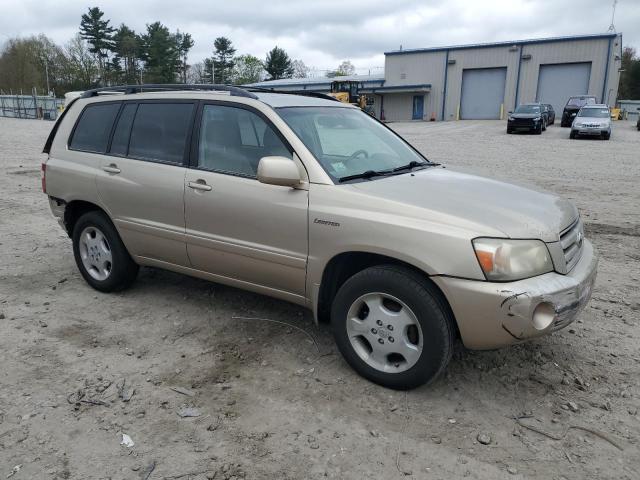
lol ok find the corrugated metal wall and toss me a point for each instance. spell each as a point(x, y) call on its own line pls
point(414, 69)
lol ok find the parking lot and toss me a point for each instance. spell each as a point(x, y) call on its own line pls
point(213, 382)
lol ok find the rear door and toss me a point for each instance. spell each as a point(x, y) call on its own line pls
point(141, 180)
point(237, 228)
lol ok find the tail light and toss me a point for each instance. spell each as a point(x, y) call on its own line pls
point(43, 177)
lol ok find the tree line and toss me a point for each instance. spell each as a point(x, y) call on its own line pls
point(629, 75)
point(103, 55)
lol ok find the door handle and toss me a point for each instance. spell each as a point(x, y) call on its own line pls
point(111, 168)
point(199, 185)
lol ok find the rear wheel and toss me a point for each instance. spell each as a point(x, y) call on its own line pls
point(392, 326)
point(100, 254)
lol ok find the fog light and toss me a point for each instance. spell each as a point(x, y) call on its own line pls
point(543, 315)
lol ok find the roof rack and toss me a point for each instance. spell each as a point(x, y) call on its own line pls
point(168, 87)
point(305, 93)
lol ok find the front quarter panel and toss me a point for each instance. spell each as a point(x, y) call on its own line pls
point(342, 219)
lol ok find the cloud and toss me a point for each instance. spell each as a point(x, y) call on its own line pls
point(323, 33)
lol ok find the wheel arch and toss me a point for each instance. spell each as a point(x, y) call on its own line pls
point(75, 209)
point(344, 265)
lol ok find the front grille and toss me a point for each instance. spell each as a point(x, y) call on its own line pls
point(522, 122)
point(571, 240)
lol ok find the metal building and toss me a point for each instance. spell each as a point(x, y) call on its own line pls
point(485, 81)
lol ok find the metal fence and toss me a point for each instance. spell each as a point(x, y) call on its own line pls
point(30, 106)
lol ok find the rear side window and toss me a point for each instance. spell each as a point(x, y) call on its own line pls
point(120, 141)
point(94, 127)
point(160, 131)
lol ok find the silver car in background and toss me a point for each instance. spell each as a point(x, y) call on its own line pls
point(593, 121)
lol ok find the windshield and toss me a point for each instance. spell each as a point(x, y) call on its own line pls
point(594, 112)
point(579, 102)
point(528, 109)
point(347, 141)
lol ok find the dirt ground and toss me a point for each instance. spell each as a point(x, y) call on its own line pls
point(80, 368)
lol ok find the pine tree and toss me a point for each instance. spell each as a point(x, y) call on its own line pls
point(184, 43)
point(127, 51)
point(223, 59)
point(278, 64)
point(160, 54)
point(99, 35)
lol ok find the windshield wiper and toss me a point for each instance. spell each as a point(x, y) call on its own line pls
point(366, 174)
point(410, 165)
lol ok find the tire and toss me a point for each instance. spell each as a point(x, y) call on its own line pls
point(426, 339)
point(544, 125)
point(509, 131)
point(538, 130)
point(606, 136)
point(572, 135)
point(100, 254)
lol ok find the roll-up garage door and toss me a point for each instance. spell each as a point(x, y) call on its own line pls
point(558, 82)
point(482, 92)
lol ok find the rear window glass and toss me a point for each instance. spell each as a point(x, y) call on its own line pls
point(580, 101)
point(120, 141)
point(94, 127)
point(160, 131)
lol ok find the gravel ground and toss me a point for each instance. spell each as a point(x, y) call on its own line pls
point(80, 368)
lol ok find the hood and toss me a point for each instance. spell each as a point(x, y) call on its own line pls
point(515, 211)
point(525, 115)
point(592, 120)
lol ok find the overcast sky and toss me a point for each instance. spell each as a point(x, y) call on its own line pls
point(323, 33)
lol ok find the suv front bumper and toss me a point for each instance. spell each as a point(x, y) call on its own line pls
point(491, 315)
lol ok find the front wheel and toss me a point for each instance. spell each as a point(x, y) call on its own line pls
point(100, 254)
point(572, 135)
point(393, 327)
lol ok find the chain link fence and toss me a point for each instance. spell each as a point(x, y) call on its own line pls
point(30, 106)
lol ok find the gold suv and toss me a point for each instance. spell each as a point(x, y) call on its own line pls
point(315, 202)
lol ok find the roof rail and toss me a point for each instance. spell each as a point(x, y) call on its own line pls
point(305, 93)
point(167, 87)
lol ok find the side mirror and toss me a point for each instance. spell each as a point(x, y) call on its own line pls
point(510, 112)
point(278, 171)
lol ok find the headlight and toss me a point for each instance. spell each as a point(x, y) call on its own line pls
point(506, 260)
point(537, 119)
point(511, 119)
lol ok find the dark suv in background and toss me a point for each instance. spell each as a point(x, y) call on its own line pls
point(551, 113)
point(530, 117)
point(573, 106)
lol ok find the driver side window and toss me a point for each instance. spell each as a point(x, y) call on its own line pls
point(233, 140)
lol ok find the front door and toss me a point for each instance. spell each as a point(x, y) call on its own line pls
point(418, 107)
point(236, 227)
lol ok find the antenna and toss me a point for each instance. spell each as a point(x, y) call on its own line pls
point(612, 27)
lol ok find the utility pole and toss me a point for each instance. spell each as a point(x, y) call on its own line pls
point(46, 69)
point(612, 27)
